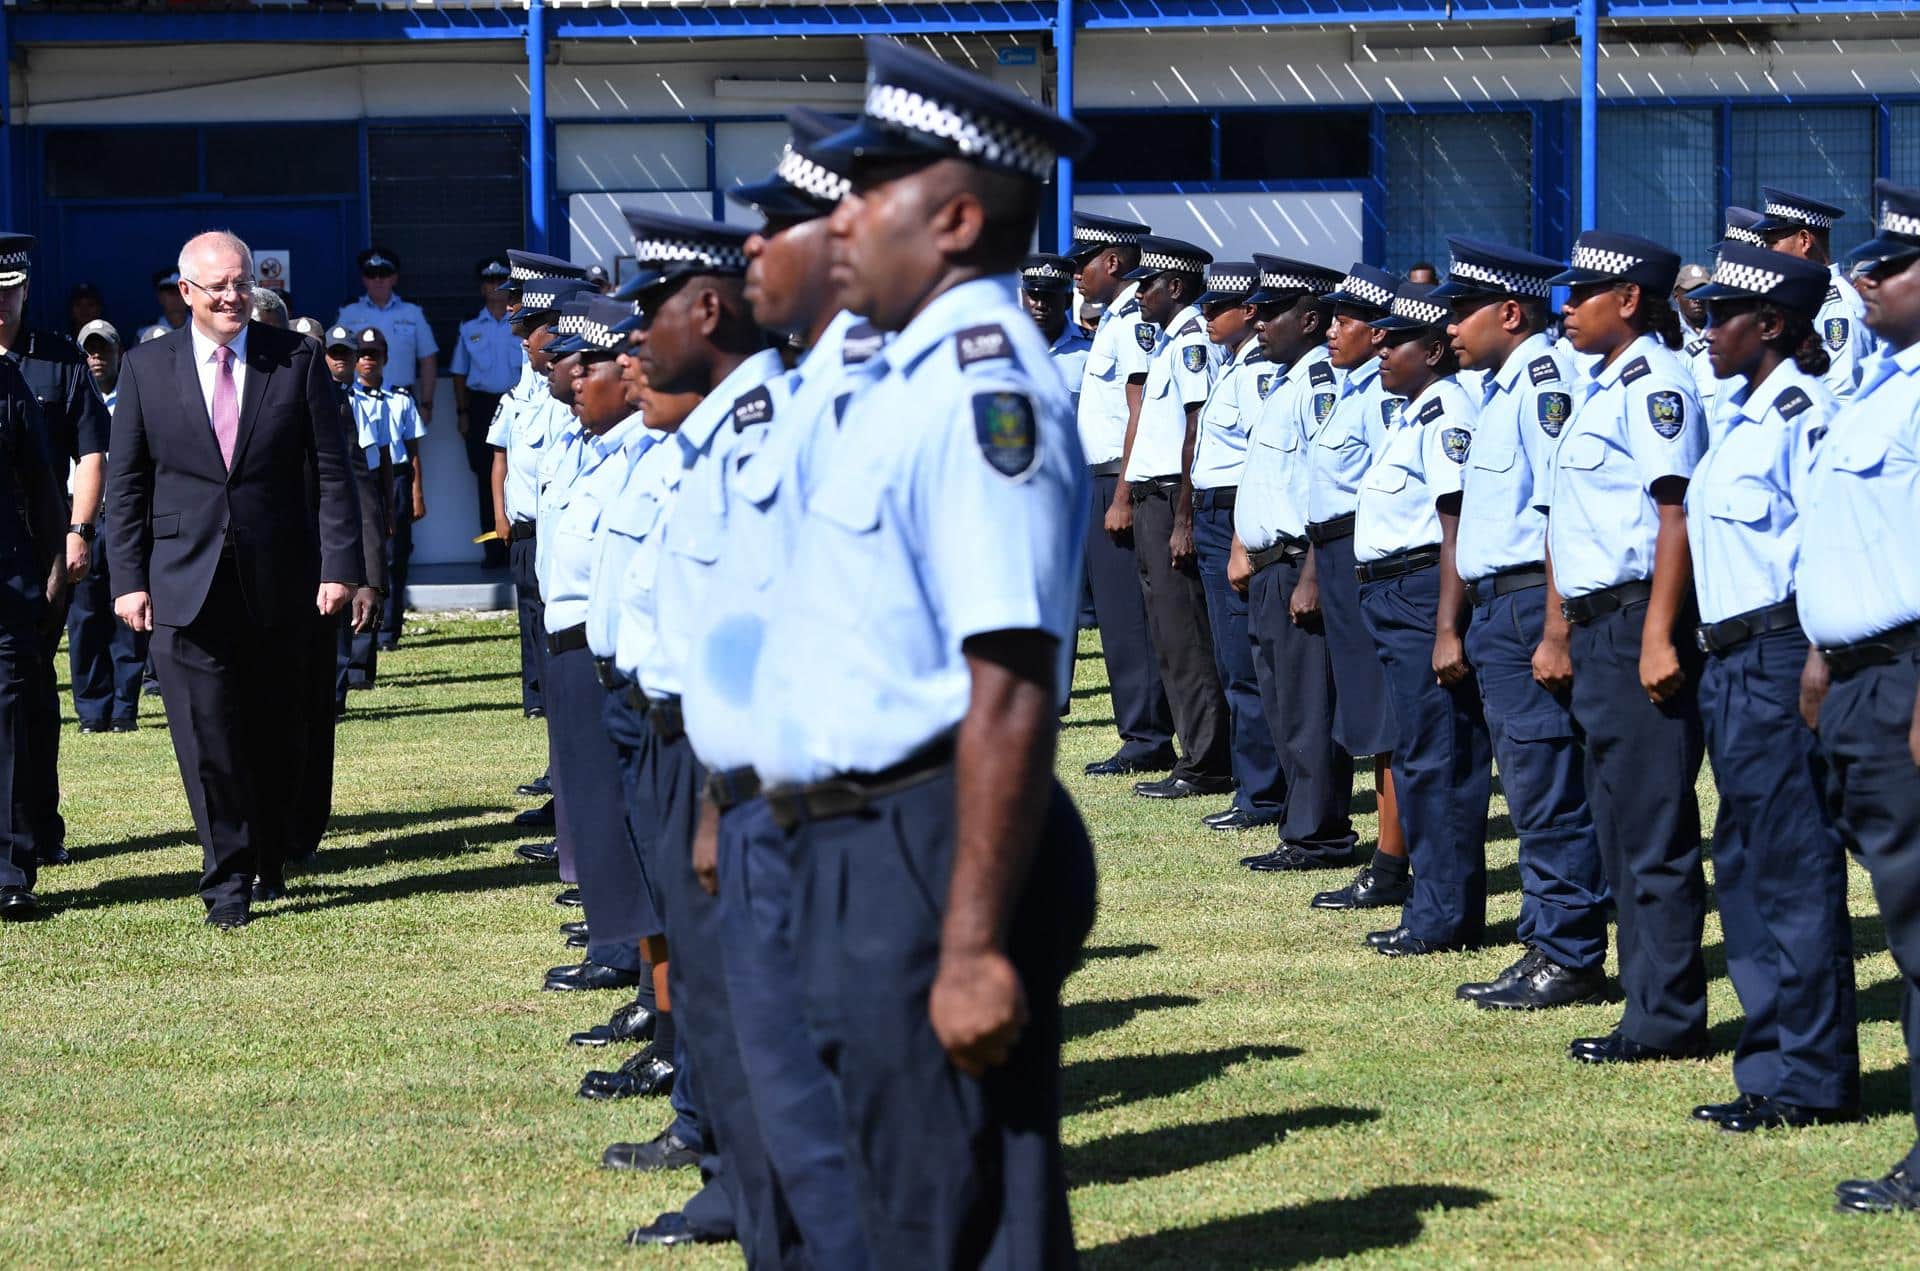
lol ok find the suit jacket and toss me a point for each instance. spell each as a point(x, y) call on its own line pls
point(373, 487)
point(173, 506)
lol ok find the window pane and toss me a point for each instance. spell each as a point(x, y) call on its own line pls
point(597, 228)
point(283, 159)
point(1323, 227)
point(1296, 146)
point(1659, 177)
point(1903, 134)
point(596, 157)
point(746, 152)
point(443, 198)
point(1823, 152)
point(1170, 147)
point(104, 163)
point(1457, 174)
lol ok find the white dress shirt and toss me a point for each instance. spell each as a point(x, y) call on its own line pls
point(203, 347)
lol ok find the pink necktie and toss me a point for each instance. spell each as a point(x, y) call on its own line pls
point(226, 405)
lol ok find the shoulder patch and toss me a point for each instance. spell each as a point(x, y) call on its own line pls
point(1323, 407)
point(1792, 402)
point(1696, 346)
point(1836, 332)
point(1193, 325)
point(751, 409)
point(1193, 357)
point(1554, 410)
point(1265, 383)
point(1392, 409)
point(1456, 442)
point(1667, 412)
point(1145, 336)
point(861, 342)
point(982, 344)
point(1130, 308)
point(1833, 294)
point(1431, 411)
point(1543, 370)
point(1003, 426)
point(1320, 373)
point(1634, 370)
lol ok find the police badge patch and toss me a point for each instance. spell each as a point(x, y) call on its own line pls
point(1194, 358)
point(1836, 334)
point(1145, 336)
point(1555, 410)
point(1004, 428)
point(1456, 442)
point(1391, 410)
point(1264, 385)
point(1667, 413)
point(1322, 407)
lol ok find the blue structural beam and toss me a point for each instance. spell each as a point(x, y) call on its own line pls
point(762, 20)
point(539, 170)
point(1063, 54)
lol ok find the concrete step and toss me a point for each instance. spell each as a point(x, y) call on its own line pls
point(467, 586)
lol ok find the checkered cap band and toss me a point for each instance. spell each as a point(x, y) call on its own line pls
point(570, 324)
point(1734, 234)
point(536, 300)
point(1511, 280)
point(1891, 222)
point(808, 177)
point(1426, 312)
point(526, 273)
point(1727, 273)
point(9, 260)
point(1370, 292)
point(1046, 271)
point(1230, 282)
point(690, 251)
point(977, 137)
point(1099, 234)
point(1272, 280)
point(1172, 260)
point(1603, 260)
point(598, 335)
point(1794, 212)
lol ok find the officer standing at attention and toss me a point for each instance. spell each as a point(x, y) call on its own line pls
point(487, 358)
point(1693, 333)
point(1517, 637)
point(1270, 563)
point(342, 353)
point(1617, 551)
point(1342, 450)
point(1779, 865)
point(389, 425)
point(1219, 453)
point(1861, 517)
point(1046, 289)
point(924, 749)
point(1803, 227)
point(105, 655)
point(1105, 250)
point(1159, 463)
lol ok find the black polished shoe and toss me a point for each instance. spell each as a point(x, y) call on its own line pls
point(665, 1150)
point(1181, 787)
point(587, 976)
point(1404, 944)
point(535, 712)
point(1287, 858)
point(1237, 818)
point(572, 941)
point(1617, 1048)
point(569, 899)
point(538, 788)
point(55, 855)
point(1377, 938)
point(1714, 1113)
point(1775, 1114)
point(1543, 986)
point(536, 818)
point(124, 726)
point(668, 1230)
point(265, 889)
point(1368, 890)
point(229, 917)
point(17, 904)
point(633, 1022)
point(89, 727)
point(539, 853)
point(1123, 764)
point(647, 1073)
point(1898, 1192)
point(1475, 989)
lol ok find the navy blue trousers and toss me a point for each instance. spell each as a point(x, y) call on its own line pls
point(792, 1092)
point(951, 1171)
point(107, 658)
point(1563, 890)
point(1363, 716)
point(1296, 696)
point(526, 591)
point(1641, 763)
point(1780, 875)
point(1442, 763)
point(19, 857)
point(399, 553)
point(1140, 711)
point(1256, 763)
point(1176, 605)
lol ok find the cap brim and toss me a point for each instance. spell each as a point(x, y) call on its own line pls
point(1775, 225)
point(634, 287)
point(1465, 290)
point(332, 347)
point(1211, 297)
point(564, 345)
point(866, 141)
point(1351, 301)
point(778, 201)
point(1046, 286)
point(1877, 251)
point(1721, 291)
point(1579, 278)
point(1394, 322)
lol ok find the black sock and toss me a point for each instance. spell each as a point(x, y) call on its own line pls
point(645, 996)
point(1391, 866)
point(663, 1034)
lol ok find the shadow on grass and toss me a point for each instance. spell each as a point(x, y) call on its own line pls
point(1291, 1235)
point(393, 712)
point(1137, 1154)
point(310, 893)
point(448, 640)
point(424, 680)
point(1102, 952)
point(341, 823)
point(1107, 1083)
point(1080, 1019)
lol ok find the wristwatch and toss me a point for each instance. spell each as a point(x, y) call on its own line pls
point(85, 531)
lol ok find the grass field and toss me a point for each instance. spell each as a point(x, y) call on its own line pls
point(370, 1073)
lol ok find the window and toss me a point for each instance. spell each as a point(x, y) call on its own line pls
point(1295, 146)
point(1456, 173)
point(1156, 147)
point(122, 163)
point(596, 157)
point(1823, 152)
point(283, 159)
point(444, 198)
point(1659, 177)
point(1323, 227)
point(1903, 134)
point(597, 224)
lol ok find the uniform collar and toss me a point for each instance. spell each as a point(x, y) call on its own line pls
point(1120, 303)
point(614, 438)
point(1430, 392)
point(361, 390)
point(1907, 359)
point(203, 346)
point(1312, 357)
point(1753, 402)
point(715, 407)
point(1361, 376)
point(1249, 351)
point(949, 312)
point(1610, 375)
point(1070, 337)
point(487, 313)
point(1531, 349)
point(1179, 321)
point(393, 303)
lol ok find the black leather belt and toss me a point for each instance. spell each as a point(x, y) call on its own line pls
point(1141, 491)
point(1108, 469)
point(1287, 549)
point(664, 714)
point(1222, 497)
point(1339, 527)
point(607, 673)
point(731, 788)
point(522, 529)
point(1879, 650)
point(1595, 604)
point(574, 637)
point(1411, 561)
point(843, 796)
point(1482, 590)
point(1731, 633)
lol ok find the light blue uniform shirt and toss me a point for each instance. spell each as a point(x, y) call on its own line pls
point(1842, 326)
point(385, 420)
point(560, 459)
point(1180, 375)
point(1220, 448)
point(409, 338)
point(1640, 422)
point(1418, 463)
point(1861, 517)
point(565, 557)
point(523, 428)
point(611, 550)
point(726, 428)
point(1343, 449)
point(951, 501)
point(488, 353)
point(636, 516)
point(1743, 504)
point(1526, 406)
point(1274, 486)
point(1070, 359)
point(1123, 345)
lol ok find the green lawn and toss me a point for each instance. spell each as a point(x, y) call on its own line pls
point(371, 1074)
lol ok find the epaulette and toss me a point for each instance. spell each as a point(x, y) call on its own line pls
point(1431, 411)
point(1792, 402)
point(1696, 345)
point(982, 344)
point(1193, 325)
point(1635, 370)
point(1833, 294)
point(862, 341)
point(1320, 373)
point(751, 409)
point(1543, 370)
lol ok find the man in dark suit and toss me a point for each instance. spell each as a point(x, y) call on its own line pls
point(220, 552)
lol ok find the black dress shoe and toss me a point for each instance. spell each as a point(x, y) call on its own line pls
point(1714, 1113)
point(536, 818)
point(569, 899)
point(1287, 858)
point(1123, 764)
point(633, 1022)
point(124, 726)
point(668, 1230)
point(1368, 890)
point(665, 1150)
point(577, 928)
point(92, 726)
point(587, 976)
point(1404, 944)
point(536, 712)
point(1377, 938)
point(647, 1073)
point(1237, 818)
point(539, 853)
point(1898, 1192)
point(55, 855)
point(229, 917)
point(538, 788)
point(17, 904)
point(575, 941)
point(1475, 989)
point(265, 889)
point(1617, 1048)
point(1775, 1114)
point(1181, 788)
point(1544, 985)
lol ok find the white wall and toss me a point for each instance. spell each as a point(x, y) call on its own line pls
point(1322, 229)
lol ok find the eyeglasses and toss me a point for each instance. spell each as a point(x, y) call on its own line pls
point(227, 291)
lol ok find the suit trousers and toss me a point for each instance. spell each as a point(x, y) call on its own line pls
point(1177, 612)
point(105, 655)
point(1140, 712)
point(526, 592)
point(1296, 697)
point(1260, 790)
point(238, 734)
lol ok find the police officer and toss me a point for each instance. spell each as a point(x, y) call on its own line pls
point(173, 309)
point(1046, 288)
point(1780, 869)
point(1105, 250)
point(1342, 450)
point(1297, 388)
point(353, 657)
point(1693, 332)
point(1219, 453)
point(1862, 512)
point(1158, 465)
point(1499, 296)
point(486, 365)
point(105, 656)
point(1404, 524)
point(1617, 548)
point(388, 420)
point(1800, 226)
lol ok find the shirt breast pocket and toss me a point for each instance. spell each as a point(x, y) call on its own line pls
point(1743, 502)
point(1279, 435)
point(1491, 458)
point(1858, 452)
point(633, 517)
point(1387, 478)
point(1583, 454)
point(849, 515)
point(1103, 366)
